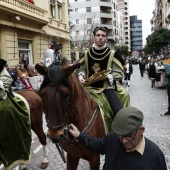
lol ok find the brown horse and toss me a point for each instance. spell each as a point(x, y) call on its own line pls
point(68, 102)
point(36, 112)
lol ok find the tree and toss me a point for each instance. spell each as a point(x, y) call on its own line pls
point(157, 41)
point(85, 31)
point(124, 50)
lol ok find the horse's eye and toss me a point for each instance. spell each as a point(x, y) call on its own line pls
point(66, 94)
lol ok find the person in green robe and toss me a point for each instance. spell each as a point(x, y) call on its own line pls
point(15, 126)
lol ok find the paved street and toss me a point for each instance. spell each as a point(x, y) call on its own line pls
point(153, 103)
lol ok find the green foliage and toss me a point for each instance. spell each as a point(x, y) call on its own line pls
point(124, 50)
point(157, 40)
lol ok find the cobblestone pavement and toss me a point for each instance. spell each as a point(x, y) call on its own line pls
point(153, 103)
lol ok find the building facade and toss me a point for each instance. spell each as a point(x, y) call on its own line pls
point(85, 15)
point(27, 29)
point(123, 7)
point(136, 35)
point(161, 15)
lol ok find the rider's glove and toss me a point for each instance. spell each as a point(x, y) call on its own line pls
point(110, 78)
point(81, 76)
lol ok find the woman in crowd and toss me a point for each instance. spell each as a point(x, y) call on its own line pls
point(22, 71)
point(160, 75)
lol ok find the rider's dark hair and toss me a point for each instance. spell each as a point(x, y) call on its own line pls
point(105, 29)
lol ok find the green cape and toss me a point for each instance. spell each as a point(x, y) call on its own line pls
point(15, 132)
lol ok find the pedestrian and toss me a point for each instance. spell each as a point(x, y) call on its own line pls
point(128, 72)
point(125, 147)
point(101, 58)
point(167, 75)
point(142, 67)
point(152, 72)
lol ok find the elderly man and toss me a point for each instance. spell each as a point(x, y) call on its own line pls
point(125, 148)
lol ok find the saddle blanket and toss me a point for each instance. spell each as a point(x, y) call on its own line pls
point(105, 109)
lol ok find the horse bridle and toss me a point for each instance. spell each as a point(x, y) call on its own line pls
point(65, 123)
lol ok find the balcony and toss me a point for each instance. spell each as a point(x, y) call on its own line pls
point(108, 25)
point(110, 37)
point(105, 14)
point(29, 13)
point(105, 4)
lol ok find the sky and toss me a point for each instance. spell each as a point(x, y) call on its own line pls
point(143, 9)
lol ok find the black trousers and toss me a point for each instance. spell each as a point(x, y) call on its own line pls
point(127, 76)
point(141, 72)
point(113, 100)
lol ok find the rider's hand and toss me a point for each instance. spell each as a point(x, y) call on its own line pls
point(110, 78)
point(81, 78)
point(73, 131)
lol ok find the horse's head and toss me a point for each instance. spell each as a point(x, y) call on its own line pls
point(55, 92)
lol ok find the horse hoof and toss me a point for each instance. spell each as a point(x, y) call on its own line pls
point(44, 165)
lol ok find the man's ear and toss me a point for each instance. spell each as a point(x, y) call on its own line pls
point(142, 130)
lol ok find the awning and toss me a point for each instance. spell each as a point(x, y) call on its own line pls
point(10, 24)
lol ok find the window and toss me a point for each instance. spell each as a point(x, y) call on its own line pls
point(25, 49)
point(88, 32)
point(52, 8)
point(88, 9)
point(59, 6)
point(76, 10)
point(77, 21)
point(89, 20)
point(77, 32)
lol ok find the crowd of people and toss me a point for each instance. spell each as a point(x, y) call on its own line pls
point(21, 74)
point(156, 72)
point(152, 66)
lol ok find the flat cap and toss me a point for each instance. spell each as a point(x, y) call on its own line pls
point(127, 120)
point(2, 64)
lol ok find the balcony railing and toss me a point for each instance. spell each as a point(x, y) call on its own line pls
point(23, 4)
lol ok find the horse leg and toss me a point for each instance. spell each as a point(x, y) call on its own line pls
point(72, 162)
point(36, 126)
point(94, 161)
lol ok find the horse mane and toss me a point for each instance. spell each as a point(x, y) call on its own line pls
point(54, 74)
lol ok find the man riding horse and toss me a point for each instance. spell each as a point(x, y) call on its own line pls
point(15, 130)
point(101, 68)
